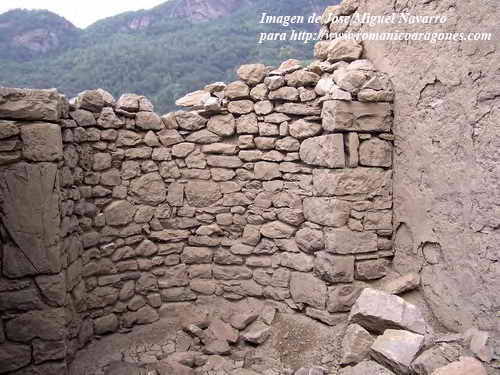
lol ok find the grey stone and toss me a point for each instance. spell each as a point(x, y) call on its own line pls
point(310, 240)
point(45, 325)
point(355, 344)
point(22, 300)
point(344, 50)
point(377, 311)
point(365, 368)
point(324, 151)
point(397, 349)
point(48, 350)
point(182, 150)
point(193, 99)
point(436, 357)
point(149, 189)
point(304, 129)
point(257, 333)
point(8, 129)
point(402, 284)
point(372, 269)
point(34, 105)
point(237, 90)
point(479, 344)
point(53, 287)
point(285, 93)
point(14, 356)
point(30, 207)
point(266, 171)
point(83, 117)
point(42, 142)
point(340, 115)
point(342, 297)
point(305, 288)
point(203, 137)
point(109, 120)
point(375, 153)
point(222, 125)
point(240, 107)
point(252, 73)
point(349, 181)
point(297, 109)
point(277, 229)
point(169, 137)
point(327, 211)
point(334, 269)
point(345, 241)
point(297, 261)
point(465, 366)
point(149, 121)
point(202, 193)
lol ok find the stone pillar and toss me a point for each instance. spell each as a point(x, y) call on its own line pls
point(32, 283)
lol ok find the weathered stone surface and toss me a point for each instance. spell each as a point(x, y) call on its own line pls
point(377, 311)
point(106, 324)
point(285, 93)
point(109, 120)
point(277, 229)
point(344, 50)
point(46, 325)
point(397, 349)
point(324, 151)
point(169, 137)
point(149, 121)
point(301, 78)
point(479, 344)
point(202, 193)
point(190, 120)
point(257, 333)
point(375, 153)
point(297, 109)
point(240, 107)
point(149, 189)
point(349, 181)
point(310, 240)
point(334, 269)
point(35, 105)
point(203, 137)
point(119, 213)
point(465, 366)
point(340, 115)
point(237, 90)
point(30, 195)
point(222, 161)
point(436, 357)
point(83, 117)
point(8, 129)
point(342, 297)
point(402, 284)
point(231, 273)
point(305, 288)
point(266, 171)
point(252, 73)
point(42, 141)
point(52, 287)
point(345, 241)
point(223, 125)
point(299, 262)
point(327, 211)
point(304, 129)
point(356, 344)
point(14, 356)
point(365, 368)
point(193, 99)
point(372, 269)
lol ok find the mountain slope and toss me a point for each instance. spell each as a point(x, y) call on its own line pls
point(166, 51)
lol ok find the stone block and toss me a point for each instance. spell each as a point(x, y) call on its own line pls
point(42, 141)
point(305, 288)
point(334, 269)
point(340, 115)
point(344, 241)
point(349, 181)
point(45, 325)
point(327, 211)
point(14, 356)
point(33, 105)
point(356, 344)
point(324, 151)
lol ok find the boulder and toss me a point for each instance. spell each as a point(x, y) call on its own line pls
point(342, 297)
point(257, 333)
point(377, 311)
point(237, 90)
point(402, 284)
point(435, 357)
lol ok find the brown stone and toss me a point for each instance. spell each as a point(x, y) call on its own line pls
point(42, 141)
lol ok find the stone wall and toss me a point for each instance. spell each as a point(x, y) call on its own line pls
point(446, 170)
point(277, 186)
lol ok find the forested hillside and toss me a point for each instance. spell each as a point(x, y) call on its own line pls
point(162, 53)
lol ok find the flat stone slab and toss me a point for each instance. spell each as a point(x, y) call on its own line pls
point(34, 105)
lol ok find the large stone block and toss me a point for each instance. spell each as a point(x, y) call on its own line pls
point(35, 105)
point(305, 288)
point(345, 241)
point(375, 152)
point(202, 193)
point(14, 356)
point(334, 269)
point(349, 181)
point(356, 344)
point(327, 211)
point(30, 196)
point(377, 311)
point(340, 115)
point(465, 366)
point(324, 151)
point(42, 142)
point(45, 325)
point(397, 349)
point(119, 213)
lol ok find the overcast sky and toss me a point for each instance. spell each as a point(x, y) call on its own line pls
point(81, 13)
